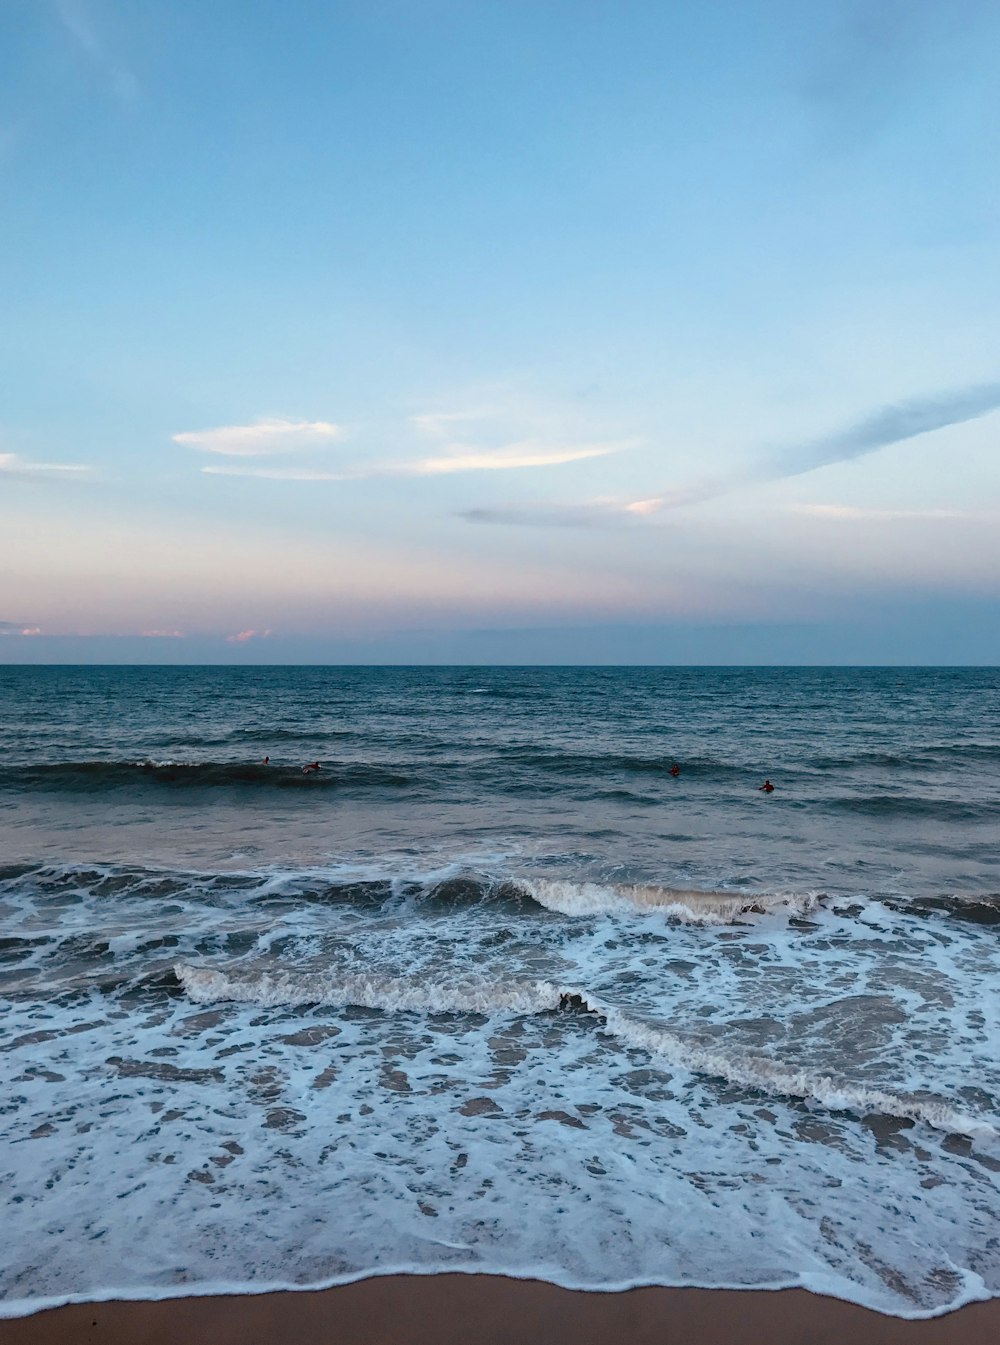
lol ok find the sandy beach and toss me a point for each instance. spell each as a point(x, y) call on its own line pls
point(492, 1310)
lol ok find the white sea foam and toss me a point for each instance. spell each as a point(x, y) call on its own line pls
point(653, 1133)
point(207, 985)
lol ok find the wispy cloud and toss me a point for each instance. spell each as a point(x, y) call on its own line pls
point(12, 465)
point(163, 635)
point(245, 636)
point(261, 439)
point(892, 424)
point(589, 514)
point(77, 21)
point(527, 453)
point(524, 453)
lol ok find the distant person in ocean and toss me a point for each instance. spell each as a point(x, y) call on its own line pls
point(266, 761)
point(766, 787)
point(675, 770)
point(310, 768)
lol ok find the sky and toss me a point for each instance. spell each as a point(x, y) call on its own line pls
point(500, 331)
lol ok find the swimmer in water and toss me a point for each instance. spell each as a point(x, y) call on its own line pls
point(266, 761)
point(675, 770)
point(766, 787)
point(310, 768)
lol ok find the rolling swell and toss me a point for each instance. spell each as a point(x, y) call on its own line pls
point(600, 764)
point(93, 776)
point(977, 910)
point(915, 806)
point(262, 737)
point(207, 985)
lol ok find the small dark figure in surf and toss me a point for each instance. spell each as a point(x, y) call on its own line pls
point(766, 787)
point(266, 761)
point(310, 768)
point(675, 770)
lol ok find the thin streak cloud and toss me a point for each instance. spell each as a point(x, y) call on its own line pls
point(526, 453)
point(12, 465)
point(261, 439)
point(852, 513)
point(284, 473)
point(602, 513)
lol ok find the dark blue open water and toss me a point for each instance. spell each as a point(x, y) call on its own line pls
point(491, 990)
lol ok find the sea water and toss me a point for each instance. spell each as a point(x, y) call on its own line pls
point(492, 990)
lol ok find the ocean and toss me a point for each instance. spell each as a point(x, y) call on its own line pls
point(492, 990)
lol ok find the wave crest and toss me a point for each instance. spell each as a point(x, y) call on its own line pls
point(207, 985)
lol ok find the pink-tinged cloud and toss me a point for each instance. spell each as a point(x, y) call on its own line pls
point(244, 635)
point(261, 439)
point(163, 635)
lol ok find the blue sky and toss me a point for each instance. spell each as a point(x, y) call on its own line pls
point(401, 329)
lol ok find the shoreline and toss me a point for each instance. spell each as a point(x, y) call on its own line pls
point(456, 1309)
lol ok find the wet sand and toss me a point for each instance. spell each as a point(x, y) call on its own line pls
point(491, 1310)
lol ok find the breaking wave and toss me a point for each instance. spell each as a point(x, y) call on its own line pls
point(689, 905)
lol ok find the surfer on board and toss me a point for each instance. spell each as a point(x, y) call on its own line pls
point(675, 770)
point(766, 787)
point(310, 768)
